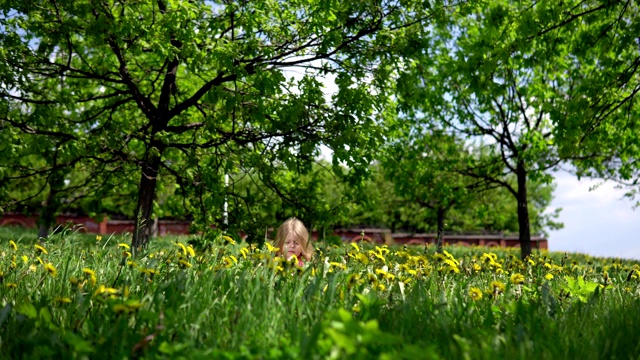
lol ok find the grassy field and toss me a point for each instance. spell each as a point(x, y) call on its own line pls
point(82, 296)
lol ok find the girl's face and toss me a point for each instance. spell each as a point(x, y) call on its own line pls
point(293, 247)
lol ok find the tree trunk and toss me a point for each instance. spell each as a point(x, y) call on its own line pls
point(523, 213)
point(441, 213)
point(47, 216)
point(50, 206)
point(146, 195)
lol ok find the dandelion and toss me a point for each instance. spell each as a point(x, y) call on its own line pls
point(25, 259)
point(98, 238)
point(477, 267)
point(51, 269)
point(89, 272)
point(355, 246)
point(182, 247)
point(475, 293)
point(549, 276)
point(148, 271)
point(272, 248)
point(497, 287)
point(362, 258)
point(517, 278)
point(531, 262)
point(11, 285)
point(380, 287)
point(191, 251)
point(124, 246)
point(352, 280)
point(62, 300)
point(105, 290)
point(13, 245)
point(184, 264)
point(120, 308)
point(228, 239)
point(32, 268)
point(228, 262)
point(40, 250)
point(244, 252)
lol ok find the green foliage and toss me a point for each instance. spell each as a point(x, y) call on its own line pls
point(172, 96)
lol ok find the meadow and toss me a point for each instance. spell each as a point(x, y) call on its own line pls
point(85, 296)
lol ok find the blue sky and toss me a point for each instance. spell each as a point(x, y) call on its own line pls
point(599, 222)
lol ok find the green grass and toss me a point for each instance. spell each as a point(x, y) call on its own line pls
point(348, 303)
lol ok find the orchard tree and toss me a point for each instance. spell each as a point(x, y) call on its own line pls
point(477, 82)
point(185, 88)
point(425, 166)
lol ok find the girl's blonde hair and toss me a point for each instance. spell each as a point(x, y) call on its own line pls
point(295, 229)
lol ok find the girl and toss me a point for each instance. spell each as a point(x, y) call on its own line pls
point(293, 239)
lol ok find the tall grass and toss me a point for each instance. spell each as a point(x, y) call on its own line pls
point(235, 301)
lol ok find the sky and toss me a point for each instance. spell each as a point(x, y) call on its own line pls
point(599, 222)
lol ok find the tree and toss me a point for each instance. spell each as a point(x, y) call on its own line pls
point(424, 165)
point(596, 109)
point(476, 81)
point(190, 89)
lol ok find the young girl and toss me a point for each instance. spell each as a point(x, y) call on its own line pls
point(293, 239)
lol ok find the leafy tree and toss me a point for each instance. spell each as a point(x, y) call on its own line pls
point(477, 82)
point(190, 90)
point(425, 166)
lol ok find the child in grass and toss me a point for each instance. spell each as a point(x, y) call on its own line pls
point(292, 239)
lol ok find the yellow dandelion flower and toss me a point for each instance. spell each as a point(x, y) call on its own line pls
point(517, 278)
point(124, 246)
point(11, 285)
point(549, 276)
point(362, 258)
point(185, 264)
point(355, 246)
point(105, 290)
point(62, 300)
point(40, 250)
point(51, 269)
point(25, 259)
point(39, 260)
point(182, 247)
point(32, 268)
point(380, 287)
point(98, 238)
point(477, 267)
point(271, 248)
point(228, 239)
point(244, 252)
point(475, 293)
point(531, 262)
point(120, 308)
point(228, 262)
point(13, 245)
point(496, 287)
point(89, 272)
point(191, 251)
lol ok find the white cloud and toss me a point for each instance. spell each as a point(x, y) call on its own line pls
point(599, 222)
